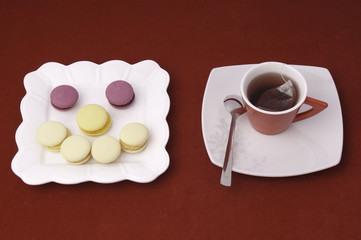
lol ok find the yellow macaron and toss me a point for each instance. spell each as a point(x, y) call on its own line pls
point(93, 119)
point(51, 135)
point(134, 137)
point(105, 149)
point(76, 149)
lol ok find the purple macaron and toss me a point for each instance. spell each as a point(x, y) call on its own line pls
point(64, 97)
point(119, 93)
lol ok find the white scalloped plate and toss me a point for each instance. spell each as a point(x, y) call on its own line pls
point(307, 146)
point(35, 165)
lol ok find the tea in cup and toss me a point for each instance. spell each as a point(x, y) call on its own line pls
point(273, 94)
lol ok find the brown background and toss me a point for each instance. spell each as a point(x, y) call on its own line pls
point(188, 39)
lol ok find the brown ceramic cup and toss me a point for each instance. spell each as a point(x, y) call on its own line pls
point(275, 122)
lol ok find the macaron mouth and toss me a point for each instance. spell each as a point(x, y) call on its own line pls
point(99, 131)
point(106, 149)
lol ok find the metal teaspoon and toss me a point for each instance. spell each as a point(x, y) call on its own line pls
point(233, 104)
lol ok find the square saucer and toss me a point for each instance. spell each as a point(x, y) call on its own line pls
point(307, 146)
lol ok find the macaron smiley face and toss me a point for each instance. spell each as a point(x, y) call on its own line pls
point(93, 119)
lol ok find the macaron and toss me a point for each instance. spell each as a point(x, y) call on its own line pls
point(93, 119)
point(119, 93)
point(64, 97)
point(105, 149)
point(76, 149)
point(133, 137)
point(51, 135)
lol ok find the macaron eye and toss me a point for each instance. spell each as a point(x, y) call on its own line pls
point(120, 94)
point(64, 97)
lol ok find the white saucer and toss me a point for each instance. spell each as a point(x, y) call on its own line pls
point(307, 146)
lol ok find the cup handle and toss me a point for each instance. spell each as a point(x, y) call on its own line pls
point(316, 107)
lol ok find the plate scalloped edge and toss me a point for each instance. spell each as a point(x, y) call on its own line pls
point(35, 175)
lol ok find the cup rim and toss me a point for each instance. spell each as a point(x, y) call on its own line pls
point(301, 98)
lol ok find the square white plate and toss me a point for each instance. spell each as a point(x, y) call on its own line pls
point(307, 146)
point(35, 165)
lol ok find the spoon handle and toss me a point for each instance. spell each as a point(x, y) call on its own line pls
point(226, 176)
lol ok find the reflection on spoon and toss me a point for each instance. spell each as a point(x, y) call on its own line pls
point(233, 104)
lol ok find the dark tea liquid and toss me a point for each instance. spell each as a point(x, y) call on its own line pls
point(265, 82)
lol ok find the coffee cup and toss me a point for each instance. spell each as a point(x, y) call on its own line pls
point(275, 122)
